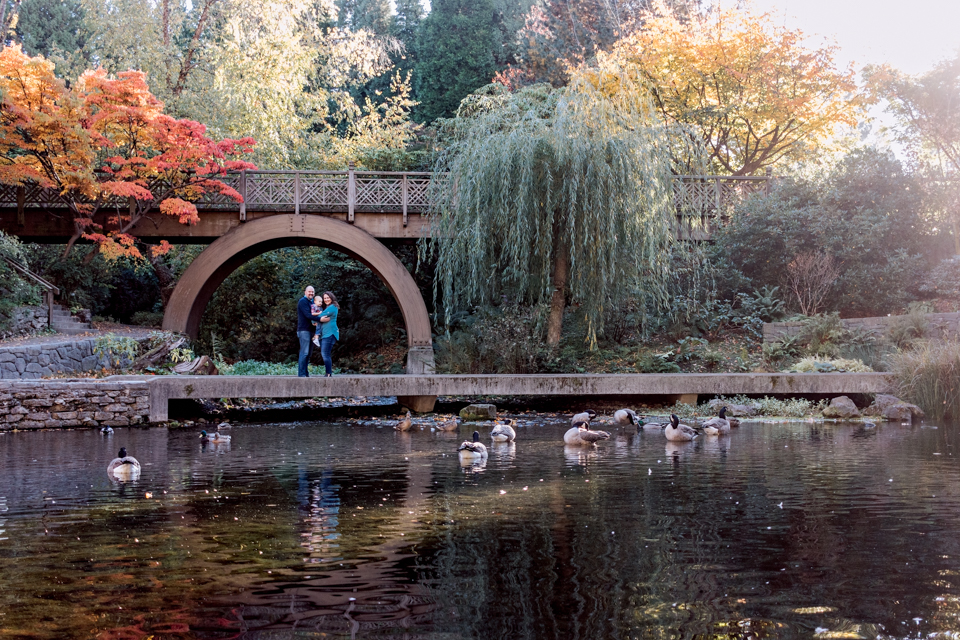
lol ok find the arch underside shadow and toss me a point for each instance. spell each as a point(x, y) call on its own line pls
point(251, 239)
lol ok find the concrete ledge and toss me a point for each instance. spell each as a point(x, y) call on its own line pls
point(166, 388)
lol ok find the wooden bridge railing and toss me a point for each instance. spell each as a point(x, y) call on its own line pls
point(354, 191)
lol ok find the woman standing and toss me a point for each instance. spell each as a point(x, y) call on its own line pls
point(329, 332)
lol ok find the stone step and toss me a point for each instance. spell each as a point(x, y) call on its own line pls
point(72, 322)
point(73, 329)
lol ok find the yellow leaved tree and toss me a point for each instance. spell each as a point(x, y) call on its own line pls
point(755, 91)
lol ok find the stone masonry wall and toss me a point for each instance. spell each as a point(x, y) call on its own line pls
point(52, 404)
point(27, 320)
point(36, 361)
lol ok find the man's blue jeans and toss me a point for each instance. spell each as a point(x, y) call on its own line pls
point(326, 347)
point(306, 348)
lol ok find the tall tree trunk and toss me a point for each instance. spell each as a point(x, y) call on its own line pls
point(558, 301)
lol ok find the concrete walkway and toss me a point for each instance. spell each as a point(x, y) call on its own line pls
point(420, 392)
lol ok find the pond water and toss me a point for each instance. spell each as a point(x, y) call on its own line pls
point(349, 530)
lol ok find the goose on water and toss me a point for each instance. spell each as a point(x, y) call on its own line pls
point(472, 450)
point(123, 467)
point(676, 432)
point(504, 432)
point(717, 425)
point(590, 437)
point(625, 417)
point(583, 416)
point(572, 436)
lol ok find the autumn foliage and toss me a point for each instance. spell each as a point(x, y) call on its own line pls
point(753, 89)
point(107, 148)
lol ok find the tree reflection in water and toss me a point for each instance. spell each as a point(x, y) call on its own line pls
point(772, 531)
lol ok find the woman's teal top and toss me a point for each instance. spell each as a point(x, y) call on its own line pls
point(328, 329)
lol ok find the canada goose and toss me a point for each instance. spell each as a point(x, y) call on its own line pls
point(676, 432)
point(591, 437)
point(625, 417)
point(215, 437)
point(651, 426)
point(584, 416)
point(404, 425)
point(504, 432)
point(449, 425)
point(572, 437)
point(717, 425)
point(123, 467)
point(472, 450)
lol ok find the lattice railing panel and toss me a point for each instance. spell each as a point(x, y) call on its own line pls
point(271, 191)
point(418, 192)
point(323, 192)
point(380, 193)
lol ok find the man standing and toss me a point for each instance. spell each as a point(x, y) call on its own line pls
point(305, 331)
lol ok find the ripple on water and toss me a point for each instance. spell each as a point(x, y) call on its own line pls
point(775, 530)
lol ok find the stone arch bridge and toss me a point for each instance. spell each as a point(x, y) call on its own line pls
point(355, 212)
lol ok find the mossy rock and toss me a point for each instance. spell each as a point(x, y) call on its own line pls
point(479, 412)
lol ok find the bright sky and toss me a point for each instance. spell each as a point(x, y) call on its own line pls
point(911, 35)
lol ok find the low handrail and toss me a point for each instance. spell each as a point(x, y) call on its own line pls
point(30, 274)
point(51, 289)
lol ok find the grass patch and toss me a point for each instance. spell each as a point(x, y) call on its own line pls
point(928, 375)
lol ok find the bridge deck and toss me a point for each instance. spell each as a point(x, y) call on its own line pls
point(166, 388)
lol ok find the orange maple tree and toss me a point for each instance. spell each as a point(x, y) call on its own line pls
point(106, 146)
point(753, 89)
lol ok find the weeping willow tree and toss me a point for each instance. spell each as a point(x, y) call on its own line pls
point(556, 196)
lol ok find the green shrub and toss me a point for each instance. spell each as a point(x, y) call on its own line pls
point(116, 351)
point(257, 368)
point(15, 290)
point(943, 280)
point(503, 339)
point(656, 363)
point(928, 375)
point(868, 213)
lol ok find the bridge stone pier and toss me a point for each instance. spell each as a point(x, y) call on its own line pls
point(201, 279)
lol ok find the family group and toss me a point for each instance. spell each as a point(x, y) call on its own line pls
point(317, 326)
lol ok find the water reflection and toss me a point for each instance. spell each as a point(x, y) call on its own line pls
point(773, 531)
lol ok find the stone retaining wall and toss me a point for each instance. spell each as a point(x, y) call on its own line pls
point(36, 361)
point(50, 404)
point(939, 325)
point(27, 320)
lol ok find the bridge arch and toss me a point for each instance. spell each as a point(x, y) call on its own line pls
point(208, 270)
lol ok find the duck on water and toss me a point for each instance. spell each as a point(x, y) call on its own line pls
point(123, 467)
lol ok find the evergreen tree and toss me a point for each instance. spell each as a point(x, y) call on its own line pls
point(456, 54)
point(48, 27)
point(406, 25)
point(373, 15)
